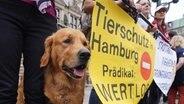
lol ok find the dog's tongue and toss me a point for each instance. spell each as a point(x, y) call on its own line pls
point(79, 72)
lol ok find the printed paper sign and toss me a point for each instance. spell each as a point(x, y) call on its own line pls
point(165, 61)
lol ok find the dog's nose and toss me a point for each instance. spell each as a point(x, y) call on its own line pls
point(84, 55)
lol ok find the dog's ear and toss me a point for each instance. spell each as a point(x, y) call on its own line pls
point(46, 56)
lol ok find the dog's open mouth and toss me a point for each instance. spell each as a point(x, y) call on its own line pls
point(75, 72)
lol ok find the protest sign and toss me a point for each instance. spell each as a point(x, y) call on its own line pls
point(122, 55)
point(165, 61)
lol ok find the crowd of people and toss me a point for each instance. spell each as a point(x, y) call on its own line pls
point(25, 24)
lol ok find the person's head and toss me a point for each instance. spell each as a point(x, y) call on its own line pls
point(172, 33)
point(145, 6)
point(160, 12)
point(177, 41)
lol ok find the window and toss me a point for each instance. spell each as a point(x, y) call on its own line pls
point(58, 14)
point(180, 30)
point(73, 23)
point(65, 20)
point(170, 24)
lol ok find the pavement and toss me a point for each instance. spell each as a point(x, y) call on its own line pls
point(87, 93)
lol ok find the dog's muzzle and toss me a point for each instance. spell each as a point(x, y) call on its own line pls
point(84, 55)
point(79, 70)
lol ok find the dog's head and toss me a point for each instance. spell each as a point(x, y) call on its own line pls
point(67, 50)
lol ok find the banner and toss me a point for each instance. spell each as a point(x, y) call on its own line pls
point(165, 61)
point(122, 55)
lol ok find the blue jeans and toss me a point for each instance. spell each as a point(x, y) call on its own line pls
point(23, 30)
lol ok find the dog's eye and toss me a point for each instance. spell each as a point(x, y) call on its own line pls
point(67, 41)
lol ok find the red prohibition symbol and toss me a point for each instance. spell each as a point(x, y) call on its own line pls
point(145, 65)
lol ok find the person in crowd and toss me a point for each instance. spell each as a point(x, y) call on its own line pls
point(159, 21)
point(24, 25)
point(88, 8)
point(172, 33)
point(177, 43)
point(144, 6)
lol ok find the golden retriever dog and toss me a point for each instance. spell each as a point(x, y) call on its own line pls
point(65, 61)
point(20, 91)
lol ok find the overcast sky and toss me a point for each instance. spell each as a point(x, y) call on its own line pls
point(176, 11)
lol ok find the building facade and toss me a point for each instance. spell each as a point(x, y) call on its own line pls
point(177, 25)
point(68, 13)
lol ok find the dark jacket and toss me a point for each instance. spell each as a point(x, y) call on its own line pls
point(179, 78)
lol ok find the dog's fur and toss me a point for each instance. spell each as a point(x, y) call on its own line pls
point(65, 62)
point(65, 58)
point(20, 91)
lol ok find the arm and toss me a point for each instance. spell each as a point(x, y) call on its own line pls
point(89, 4)
point(122, 5)
point(152, 29)
point(119, 3)
point(180, 63)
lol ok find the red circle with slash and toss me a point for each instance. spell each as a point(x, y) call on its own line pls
point(145, 65)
